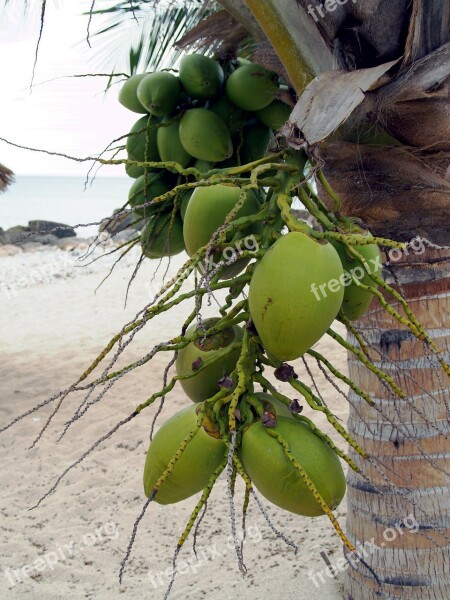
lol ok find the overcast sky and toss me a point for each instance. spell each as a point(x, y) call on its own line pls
point(68, 115)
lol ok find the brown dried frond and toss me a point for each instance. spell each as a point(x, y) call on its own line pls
point(6, 177)
point(219, 31)
point(266, 56)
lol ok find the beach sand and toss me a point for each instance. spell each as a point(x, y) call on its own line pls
point(70, 547)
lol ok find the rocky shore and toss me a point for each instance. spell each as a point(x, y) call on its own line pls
point(41, 235)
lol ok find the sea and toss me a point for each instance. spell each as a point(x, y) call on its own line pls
point(64, 200)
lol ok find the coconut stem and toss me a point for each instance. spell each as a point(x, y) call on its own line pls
point(315, 403)
point(201, 503)
point(367, 363)
point(314, 428)
point(341, 376)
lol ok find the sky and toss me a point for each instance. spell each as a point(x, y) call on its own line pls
point(72, 116)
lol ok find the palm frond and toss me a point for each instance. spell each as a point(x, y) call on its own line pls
point(219, 32)
point(144, 32)
point(6, 177)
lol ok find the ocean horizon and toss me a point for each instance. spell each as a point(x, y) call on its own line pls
point(62, 199)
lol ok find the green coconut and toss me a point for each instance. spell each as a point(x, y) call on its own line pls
point(144, 190)
point(162, 236)
point(128, 94)
point(278, 480)
point(194, 468)
point(251, 87)
point(201, 77)
point(159, 93)
point(205, 136)
point(204, 384)
point(206, 212)
point(169, 144)
point(231, 115)
point(275, 115)
point(356, 300)
point(257, 138)
point(295, 294)
point(141, 141)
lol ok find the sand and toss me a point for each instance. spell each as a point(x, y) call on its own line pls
point(70, 547)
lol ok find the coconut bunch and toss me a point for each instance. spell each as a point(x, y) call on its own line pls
point(206, 183)
point(209, 117)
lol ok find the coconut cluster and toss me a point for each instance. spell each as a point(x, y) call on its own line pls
point(211, 115)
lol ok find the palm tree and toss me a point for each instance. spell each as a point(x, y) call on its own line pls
point(378, 114)
point(6, 177)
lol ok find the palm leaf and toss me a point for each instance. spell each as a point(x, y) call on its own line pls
point(6, 177)
point(144, 32)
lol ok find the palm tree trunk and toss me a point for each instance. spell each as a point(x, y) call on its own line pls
point(409, 445)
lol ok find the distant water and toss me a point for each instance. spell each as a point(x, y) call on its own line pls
point(62, 199)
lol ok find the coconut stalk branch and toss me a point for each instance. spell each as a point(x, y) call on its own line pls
point(295, 38)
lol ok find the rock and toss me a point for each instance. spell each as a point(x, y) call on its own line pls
point(10, 250)
point(60, 230)
point(115, 225)
point(18, 234)
point(47, 239)
point(4, 237)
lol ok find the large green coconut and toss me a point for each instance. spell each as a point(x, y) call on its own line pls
point(169, 144)
point(162, 236)
point(141, 141)
point(159, 93)
point(278, 479)
point(251, 87)
point(295, 293)
point(275, 115)
point(205, 136)
point(201, 77)
point(128, 94)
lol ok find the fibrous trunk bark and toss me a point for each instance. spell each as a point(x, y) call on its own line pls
point(406, 482)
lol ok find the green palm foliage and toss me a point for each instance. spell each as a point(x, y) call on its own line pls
point(144, 32)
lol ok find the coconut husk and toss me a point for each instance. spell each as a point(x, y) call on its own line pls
point(415, 107)
point(392, 190)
